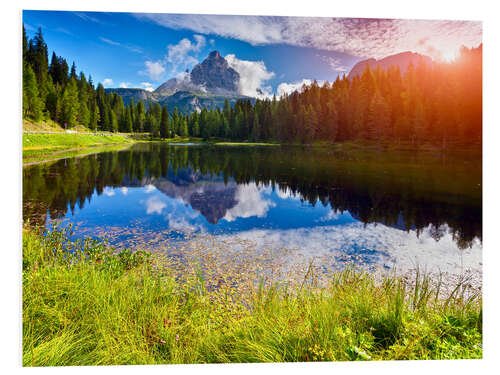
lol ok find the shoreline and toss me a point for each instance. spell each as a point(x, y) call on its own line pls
point(78, 303)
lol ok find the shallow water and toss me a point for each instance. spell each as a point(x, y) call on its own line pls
point(389, 209)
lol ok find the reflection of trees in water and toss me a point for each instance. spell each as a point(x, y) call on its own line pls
point(409, 191)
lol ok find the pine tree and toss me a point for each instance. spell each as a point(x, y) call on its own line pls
point(175, 122)
point(140, 117)
point(164, 125)
point(40, 64)
point(94, 116)
point(32, 105)
point(196, 129)
point(183, 131)
point(255, 128)
point(114, 122)
point(70, 104)
point(73, 71)
point(128, 120)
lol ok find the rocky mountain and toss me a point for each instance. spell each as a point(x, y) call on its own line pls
point(402, 60)
point(209, 195)
point(206, 86)
point(215, 75)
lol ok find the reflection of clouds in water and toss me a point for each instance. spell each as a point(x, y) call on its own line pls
point(376, 244)
point(109, 192)
point(179, 223)
point(124, 190)
point(174, 211)
point(286, 194)
point(250, 203)
point(149, 188)
point(331, 215)
point(155, 205)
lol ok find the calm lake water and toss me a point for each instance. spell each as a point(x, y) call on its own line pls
point(382, 208)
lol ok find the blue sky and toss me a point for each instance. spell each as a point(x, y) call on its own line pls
point(274, 54)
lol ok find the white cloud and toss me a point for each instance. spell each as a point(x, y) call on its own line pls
point(64, 31)
point(252, 76)
point(148, 86)
point(86, 17)
point(359, 37)
point(109, 41)
point(286, 88)
point(124, 85)
point(179, 54)
point(331, 215)
point(373, 244)
point(155, 205)
point(149, 188)
point(250, 203)
point(107, 82)
point(335, 63)
point(179, 58)
point(109, 192)
point(154, 69)
point(127, 46)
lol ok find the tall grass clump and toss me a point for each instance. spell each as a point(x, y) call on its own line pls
point(87, 304)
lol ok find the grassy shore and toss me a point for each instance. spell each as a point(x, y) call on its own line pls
point(39, 147)
point(84, 304)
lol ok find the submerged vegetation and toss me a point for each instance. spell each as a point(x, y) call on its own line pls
point(84, 304)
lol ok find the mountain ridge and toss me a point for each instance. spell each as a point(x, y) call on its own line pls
point(401, 60)
point(208, 85)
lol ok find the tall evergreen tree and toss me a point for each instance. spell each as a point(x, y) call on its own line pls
point(32, 105)
point(164, 125)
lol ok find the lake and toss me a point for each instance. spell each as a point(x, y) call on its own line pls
point(376, 208)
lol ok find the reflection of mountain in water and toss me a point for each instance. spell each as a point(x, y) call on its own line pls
point(208, 194)
point(402, 190)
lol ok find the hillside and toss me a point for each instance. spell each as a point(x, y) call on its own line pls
point(401, 60)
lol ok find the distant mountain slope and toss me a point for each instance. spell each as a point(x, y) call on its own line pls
point(402, 60)
point(206, 86)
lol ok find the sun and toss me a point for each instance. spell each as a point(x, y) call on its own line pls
point(449, 54)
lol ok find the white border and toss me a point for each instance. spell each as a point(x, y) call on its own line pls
point(424, 9)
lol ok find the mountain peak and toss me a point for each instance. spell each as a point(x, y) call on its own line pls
point(215, 74)
point(214, 55)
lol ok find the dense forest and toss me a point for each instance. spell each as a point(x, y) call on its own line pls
point(439, 104)
point(394, 196)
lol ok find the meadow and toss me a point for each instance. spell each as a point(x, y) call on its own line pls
point(85, 303)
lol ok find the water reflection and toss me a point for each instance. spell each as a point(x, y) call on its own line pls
point(297, 196)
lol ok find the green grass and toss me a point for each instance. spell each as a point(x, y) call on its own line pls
point(38, 147)
point(48, 125)
point(86, 305)
point(41, 156)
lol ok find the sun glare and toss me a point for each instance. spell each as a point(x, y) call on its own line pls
point(450, 55)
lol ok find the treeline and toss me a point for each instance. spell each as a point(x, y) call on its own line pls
point(439, 103)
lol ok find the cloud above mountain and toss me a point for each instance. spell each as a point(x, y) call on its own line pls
point(253, 75)
point(178, 58)
point(359, 37)
point(179, 55)
point(154, 69)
